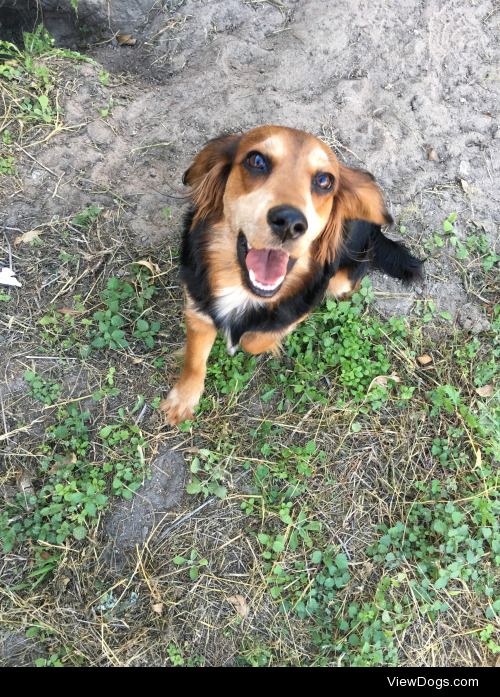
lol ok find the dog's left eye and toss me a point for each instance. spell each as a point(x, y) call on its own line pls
point(257, 161)
point(324, 181)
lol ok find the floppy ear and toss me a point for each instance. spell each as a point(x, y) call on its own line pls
point(208, 174)
point(358, 197)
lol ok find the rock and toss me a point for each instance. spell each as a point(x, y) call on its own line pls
point(464, 169)
point(472, 320)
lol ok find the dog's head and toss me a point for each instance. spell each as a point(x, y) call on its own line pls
point(282, 197)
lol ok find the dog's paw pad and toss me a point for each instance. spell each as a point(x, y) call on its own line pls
point(178, 407)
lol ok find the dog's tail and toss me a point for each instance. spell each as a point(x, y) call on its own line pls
point(393, 258)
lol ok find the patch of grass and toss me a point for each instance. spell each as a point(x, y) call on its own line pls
point(72, 488)
point(229, 374)
point(124, 315)
point(282, 474)
point(475, 247)
point(124, 447)
point(29, 86)
point(61, 329)
point(43, 638)
point(343, 501)
point(446, 537)
point(341, 349)
point(471, 251)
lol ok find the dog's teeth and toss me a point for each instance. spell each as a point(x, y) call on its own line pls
point(261, 286)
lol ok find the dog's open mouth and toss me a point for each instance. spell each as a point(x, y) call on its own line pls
point(264, 270)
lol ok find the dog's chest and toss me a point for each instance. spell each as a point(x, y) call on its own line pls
point(229, 307)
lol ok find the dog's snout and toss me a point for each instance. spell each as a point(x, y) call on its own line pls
point(287, 222)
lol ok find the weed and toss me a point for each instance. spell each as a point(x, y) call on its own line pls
point(367, 633)
point(124, 447)
point(71, 490)
point(123, 316)
point(43, 390)
point(38, 109)
point(28, 85)
point(331, 574)
point(192, 562)
point(229, 374)
point(283, 474)
point(426, 309)
point(339, 345)
point(471, 249)
point(104, 78)
point(438, 238)
point(178, 659)
point(256, 657)
point(87, 217)
point(60, 329)
point(7, 165)
point(105, 112)
point(485, 635)
point(477, 247)
point(208, 472)
point(44, 637)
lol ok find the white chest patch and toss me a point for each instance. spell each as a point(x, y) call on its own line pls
point(234, 301)
point(231, 303)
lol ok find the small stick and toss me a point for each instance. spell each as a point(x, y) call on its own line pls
point(180, 521)
point(37, 161)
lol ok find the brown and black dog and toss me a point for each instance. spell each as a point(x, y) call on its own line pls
point(276, 222)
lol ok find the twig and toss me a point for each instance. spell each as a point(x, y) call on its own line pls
point(180, 521)
point(51, 171)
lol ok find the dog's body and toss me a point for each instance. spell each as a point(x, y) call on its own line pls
point(277, 222)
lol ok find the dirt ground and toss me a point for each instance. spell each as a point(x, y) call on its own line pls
point(407, 89)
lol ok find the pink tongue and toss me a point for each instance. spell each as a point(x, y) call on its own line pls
point(268, 265)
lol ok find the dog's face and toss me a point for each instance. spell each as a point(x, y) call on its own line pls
point(279, 197)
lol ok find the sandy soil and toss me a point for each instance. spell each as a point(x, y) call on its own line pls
point(409, 90)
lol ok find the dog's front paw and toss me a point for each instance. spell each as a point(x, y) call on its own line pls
point(180, 403)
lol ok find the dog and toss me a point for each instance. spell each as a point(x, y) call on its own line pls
point(276, 222)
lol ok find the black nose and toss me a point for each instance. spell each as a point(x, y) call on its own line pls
point(287, 222)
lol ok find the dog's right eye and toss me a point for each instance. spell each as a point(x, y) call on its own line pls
point(256, 161)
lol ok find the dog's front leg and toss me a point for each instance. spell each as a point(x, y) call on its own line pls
point(185, 395)
point(260, 342)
